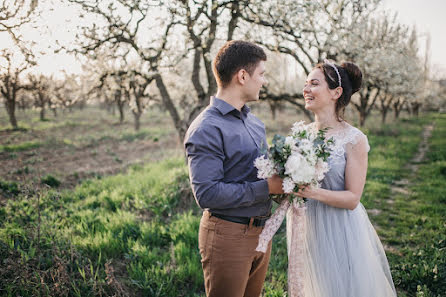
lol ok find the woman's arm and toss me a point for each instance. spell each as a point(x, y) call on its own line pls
point(355, 175)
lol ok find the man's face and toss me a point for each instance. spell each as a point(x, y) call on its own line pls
point(254, 83)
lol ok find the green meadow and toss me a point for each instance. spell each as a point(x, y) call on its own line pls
point(135, 233)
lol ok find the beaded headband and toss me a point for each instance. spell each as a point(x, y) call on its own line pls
point(335, 68)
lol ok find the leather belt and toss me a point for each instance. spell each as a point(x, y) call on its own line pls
point(257, 221)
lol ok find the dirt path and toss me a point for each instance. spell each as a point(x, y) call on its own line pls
point(400, 186)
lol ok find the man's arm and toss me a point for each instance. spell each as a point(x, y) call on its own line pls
point(205, 154)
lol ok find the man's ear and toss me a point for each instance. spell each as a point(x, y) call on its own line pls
point(242, 76)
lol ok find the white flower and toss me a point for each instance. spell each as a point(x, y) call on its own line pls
point(298, 127)
point(265, 167)
point(291, 142)
point(298, 168)
point(311, 157)
point(321, 168)
point(306, 145)
point(312, 131)
point(288, 185)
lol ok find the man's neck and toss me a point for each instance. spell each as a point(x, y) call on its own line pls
point(231, 97)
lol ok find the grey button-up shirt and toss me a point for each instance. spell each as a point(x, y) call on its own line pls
point(221, 146)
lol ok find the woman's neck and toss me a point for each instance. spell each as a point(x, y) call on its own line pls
point(326, 120)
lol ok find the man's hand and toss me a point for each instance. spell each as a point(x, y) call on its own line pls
point(275, 185)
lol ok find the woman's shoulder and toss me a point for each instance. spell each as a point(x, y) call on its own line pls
point(354, 136)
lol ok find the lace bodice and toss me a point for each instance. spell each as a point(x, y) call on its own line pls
point(345, 136)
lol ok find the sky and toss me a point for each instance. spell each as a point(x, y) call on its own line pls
point(427, 15)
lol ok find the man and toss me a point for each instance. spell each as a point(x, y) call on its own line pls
point(221, 146)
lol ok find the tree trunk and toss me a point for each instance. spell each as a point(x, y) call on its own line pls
point(10, 107)
point(416, 109)
point(137, 116)
point(362, 117)
point(396, 109)
point(273, 107)
point(180, 125)
point(383, 115)
point(121, 112)
point(120, 105)
point(42, 113)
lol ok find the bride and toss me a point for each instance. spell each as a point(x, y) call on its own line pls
point(342, 254)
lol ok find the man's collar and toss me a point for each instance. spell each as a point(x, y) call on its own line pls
point(225, 108)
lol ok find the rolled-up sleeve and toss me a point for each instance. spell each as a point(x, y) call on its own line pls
point(205, 155)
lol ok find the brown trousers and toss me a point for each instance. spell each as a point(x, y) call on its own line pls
point(231, 266)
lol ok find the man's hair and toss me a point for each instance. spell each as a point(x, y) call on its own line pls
point(236, 55)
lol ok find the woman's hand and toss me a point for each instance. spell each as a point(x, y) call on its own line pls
point(306, 192)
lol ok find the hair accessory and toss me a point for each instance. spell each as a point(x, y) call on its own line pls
point(335, 68)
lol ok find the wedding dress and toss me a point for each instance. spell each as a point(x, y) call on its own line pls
point(339, 253)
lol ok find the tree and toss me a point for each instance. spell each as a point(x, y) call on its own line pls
point(10, 83)
point(384, 51)
point(307, 31)
point(196, 23)
point(66, 92)
point(40, 87)
point(13, 15)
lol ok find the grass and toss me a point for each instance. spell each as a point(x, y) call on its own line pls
point(134, 220)
point(27, 145)
point(419, 223)
point(135, 233)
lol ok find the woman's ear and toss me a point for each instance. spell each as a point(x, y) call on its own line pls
point(337, 93)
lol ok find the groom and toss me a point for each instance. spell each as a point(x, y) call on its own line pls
point(221, 146)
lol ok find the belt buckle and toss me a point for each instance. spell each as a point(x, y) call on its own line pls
point(258, 220)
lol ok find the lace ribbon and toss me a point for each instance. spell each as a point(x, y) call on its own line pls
point(272, 225)
point(296, 228)
point(295, 213)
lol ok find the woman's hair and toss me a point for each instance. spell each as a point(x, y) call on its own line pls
point(236, 55)
point(351, 80)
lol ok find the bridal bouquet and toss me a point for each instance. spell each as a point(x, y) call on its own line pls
point(300, 159)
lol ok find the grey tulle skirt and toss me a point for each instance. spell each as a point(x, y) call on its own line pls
point(342, 255)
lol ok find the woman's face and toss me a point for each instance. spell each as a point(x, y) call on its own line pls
point(316, 93)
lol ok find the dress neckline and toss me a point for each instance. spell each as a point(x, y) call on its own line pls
point(332, 133)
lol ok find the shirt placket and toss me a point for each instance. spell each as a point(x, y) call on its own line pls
point(248, 128)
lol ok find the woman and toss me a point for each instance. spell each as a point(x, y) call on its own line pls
point(343, 256)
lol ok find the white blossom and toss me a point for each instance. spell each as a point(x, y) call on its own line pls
point(291, 142)
point(265, 167)
point(306, 146)
point(321, 168)
point(298, 127)
point(298, 168)
point(288, 185)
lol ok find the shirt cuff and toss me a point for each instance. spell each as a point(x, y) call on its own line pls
point(261, 190)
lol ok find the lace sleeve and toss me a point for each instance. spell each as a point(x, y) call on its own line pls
point(356, 136)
